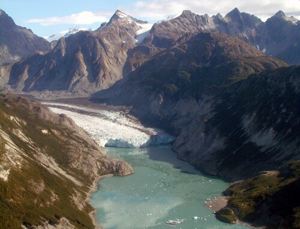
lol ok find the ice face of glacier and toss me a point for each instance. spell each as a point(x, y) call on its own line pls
point(112, 128)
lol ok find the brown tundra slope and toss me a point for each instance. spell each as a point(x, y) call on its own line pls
point(48, 166)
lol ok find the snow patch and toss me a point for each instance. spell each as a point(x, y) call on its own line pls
point(142, 32)
point(169, 17)
point(45, 131)
point(124, 16)
point(292, 20)
point(65, 33)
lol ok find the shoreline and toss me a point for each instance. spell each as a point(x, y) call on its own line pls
point(94, 188)
point(217, 203)
point(220, 202)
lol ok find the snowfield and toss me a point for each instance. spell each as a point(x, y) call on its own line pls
point(112, 128)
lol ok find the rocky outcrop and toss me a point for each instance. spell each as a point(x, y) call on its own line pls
point(47, 167)
point(17, 42)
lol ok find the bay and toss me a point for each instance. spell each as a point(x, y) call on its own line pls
point(163, 188)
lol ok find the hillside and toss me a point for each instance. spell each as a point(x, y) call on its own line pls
point(90, 61)
point(47, 167)
point(270, 198)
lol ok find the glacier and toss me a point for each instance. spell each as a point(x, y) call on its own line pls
point(111, 128)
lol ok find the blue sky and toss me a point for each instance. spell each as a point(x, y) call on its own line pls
point(48, 17)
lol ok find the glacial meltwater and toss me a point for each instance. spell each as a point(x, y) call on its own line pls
point(162, 188)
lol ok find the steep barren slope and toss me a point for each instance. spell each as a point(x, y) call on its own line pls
point(47, 167)
point(17, 42)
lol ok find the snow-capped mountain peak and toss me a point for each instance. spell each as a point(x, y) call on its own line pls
point(64, 33)
point(121, 14)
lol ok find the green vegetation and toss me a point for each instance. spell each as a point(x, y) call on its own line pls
point(184, 75)
point(227, 215)
point(172, 88)
point(273, 196)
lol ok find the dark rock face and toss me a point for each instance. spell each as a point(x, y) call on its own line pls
point(284, 41)
point(254, 127)
point(84, 62)
point(17, 42)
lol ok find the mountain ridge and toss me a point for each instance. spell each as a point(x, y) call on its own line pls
point(17, 42)
point(96, 60)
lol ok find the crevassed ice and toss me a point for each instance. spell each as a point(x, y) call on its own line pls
point(112, 128)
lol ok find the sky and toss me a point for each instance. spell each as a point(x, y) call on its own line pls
point(45, 18)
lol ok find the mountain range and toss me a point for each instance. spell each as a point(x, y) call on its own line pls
point(90, 61)
point(221, 85)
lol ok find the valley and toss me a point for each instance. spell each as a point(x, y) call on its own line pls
point(184, 105)
point(162, 187)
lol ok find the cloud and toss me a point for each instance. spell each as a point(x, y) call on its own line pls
point(158, 9)
point(82, 18)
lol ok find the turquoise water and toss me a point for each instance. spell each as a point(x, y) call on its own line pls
point(163, 188)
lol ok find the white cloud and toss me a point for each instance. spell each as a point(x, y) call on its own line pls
point(158, 9)
point(82, 18)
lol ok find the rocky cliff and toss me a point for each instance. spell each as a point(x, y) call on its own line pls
point(47, 167)
point(17, 42)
